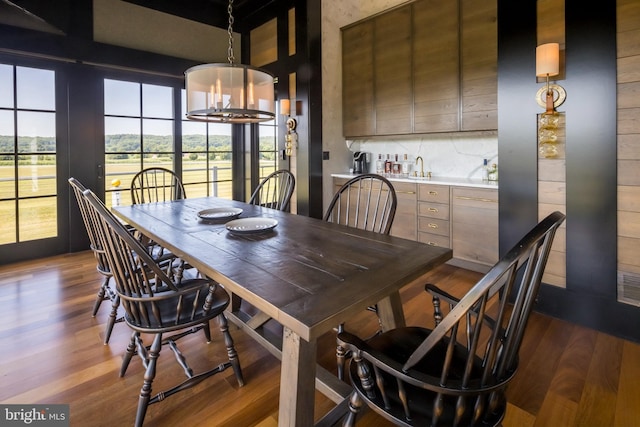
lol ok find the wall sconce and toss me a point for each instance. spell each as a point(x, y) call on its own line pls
point(291, 138)
point(548, 64)
point(549, 97)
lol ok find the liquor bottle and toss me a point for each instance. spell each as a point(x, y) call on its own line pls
point(388, 164)
point(406, 166)
point(380, 165)
point(485, 170)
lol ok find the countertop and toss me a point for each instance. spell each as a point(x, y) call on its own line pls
point(440, 180)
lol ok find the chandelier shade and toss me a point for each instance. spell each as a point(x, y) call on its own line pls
point(229, 93)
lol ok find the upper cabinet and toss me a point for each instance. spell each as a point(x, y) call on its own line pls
point(436, 71)
point(393, 94)
point(357, 75)
point(426, 67)
point(479, 64)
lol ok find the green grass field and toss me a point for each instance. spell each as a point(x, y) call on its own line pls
point(38, 216)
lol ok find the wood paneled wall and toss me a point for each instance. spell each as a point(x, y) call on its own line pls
point(552, 188)
point(628, 60)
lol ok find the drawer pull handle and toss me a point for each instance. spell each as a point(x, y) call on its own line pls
point(477, 199)
point(433, 193)
point(405, 192)
point(432, 243)
point(432, 225)
point(433, 209)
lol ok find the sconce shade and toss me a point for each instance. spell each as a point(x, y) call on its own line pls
point(229, 93)
point(548, 60)
point(285, 107)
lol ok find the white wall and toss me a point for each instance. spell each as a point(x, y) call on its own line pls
point(128, 25)
point(444, 155)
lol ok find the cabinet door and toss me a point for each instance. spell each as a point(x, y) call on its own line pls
point(357, 80)
point(405, 221)
point(392, 72)
point(435, 66)
point(479, 61)
point(474, 228)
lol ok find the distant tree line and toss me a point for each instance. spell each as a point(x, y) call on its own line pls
point(126, 146)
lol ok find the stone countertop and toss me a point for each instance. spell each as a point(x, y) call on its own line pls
point(440, 180)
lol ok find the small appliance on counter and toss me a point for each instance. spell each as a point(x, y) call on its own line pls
point(360, 164)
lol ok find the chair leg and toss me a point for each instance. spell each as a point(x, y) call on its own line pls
point(206, 328)
point(341, 354)
point(100, 296)
point(231, 350)
point(355, 404)
point(115, 303)
point(149, 375)
point(128, 354)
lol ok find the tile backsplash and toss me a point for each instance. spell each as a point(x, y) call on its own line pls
point(445, 156)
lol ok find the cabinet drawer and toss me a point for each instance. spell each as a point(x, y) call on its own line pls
point(482, 198)
point(433, 210)
point(434, 239)
point(405, 190)
point(433, 193)
point(434, 226)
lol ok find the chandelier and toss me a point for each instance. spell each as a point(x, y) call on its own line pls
point(229, 93)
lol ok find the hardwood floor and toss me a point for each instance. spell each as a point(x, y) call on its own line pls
point(52, 352)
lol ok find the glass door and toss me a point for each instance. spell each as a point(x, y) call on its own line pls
point(29, 162)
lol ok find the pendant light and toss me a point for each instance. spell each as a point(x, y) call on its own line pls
point(229, 93)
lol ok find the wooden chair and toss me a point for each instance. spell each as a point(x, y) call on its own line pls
point(274, 191)
point(367, 202)
point(105, 292)
point(154, 304)
point(457, 373)
point(156, 185)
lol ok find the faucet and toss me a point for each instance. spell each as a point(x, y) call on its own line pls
point(415, 173)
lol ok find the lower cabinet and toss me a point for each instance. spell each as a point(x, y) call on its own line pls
point(474, 227)
point(404, 223)
point(433, 215)
point(464, 219)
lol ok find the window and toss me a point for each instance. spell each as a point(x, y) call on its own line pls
point(206, 158)
point(139, 133)
point(268, 148)
point(28, 181)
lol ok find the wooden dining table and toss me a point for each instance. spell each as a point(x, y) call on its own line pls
point(307, 274)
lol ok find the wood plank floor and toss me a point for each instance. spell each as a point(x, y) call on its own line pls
point(52, 352)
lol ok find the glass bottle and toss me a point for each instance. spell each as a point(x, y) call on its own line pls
point(406, 166)
point(493, 172)
point(380, 165)
point(485, 170)
point(387, 166)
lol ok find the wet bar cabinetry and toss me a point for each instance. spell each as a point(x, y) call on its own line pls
point(474, 226)
point(461, 217)
point(405, 222)
point(433, 215)
point(425, 67)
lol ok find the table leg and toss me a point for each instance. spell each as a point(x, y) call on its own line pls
point(390, 312)
point(297, 381)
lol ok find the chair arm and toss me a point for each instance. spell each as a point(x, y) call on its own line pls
point(453, 301)
point(437, 292)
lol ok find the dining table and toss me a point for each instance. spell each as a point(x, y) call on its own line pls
point(307, 274)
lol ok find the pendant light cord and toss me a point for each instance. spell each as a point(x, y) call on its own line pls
point(230, 31)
